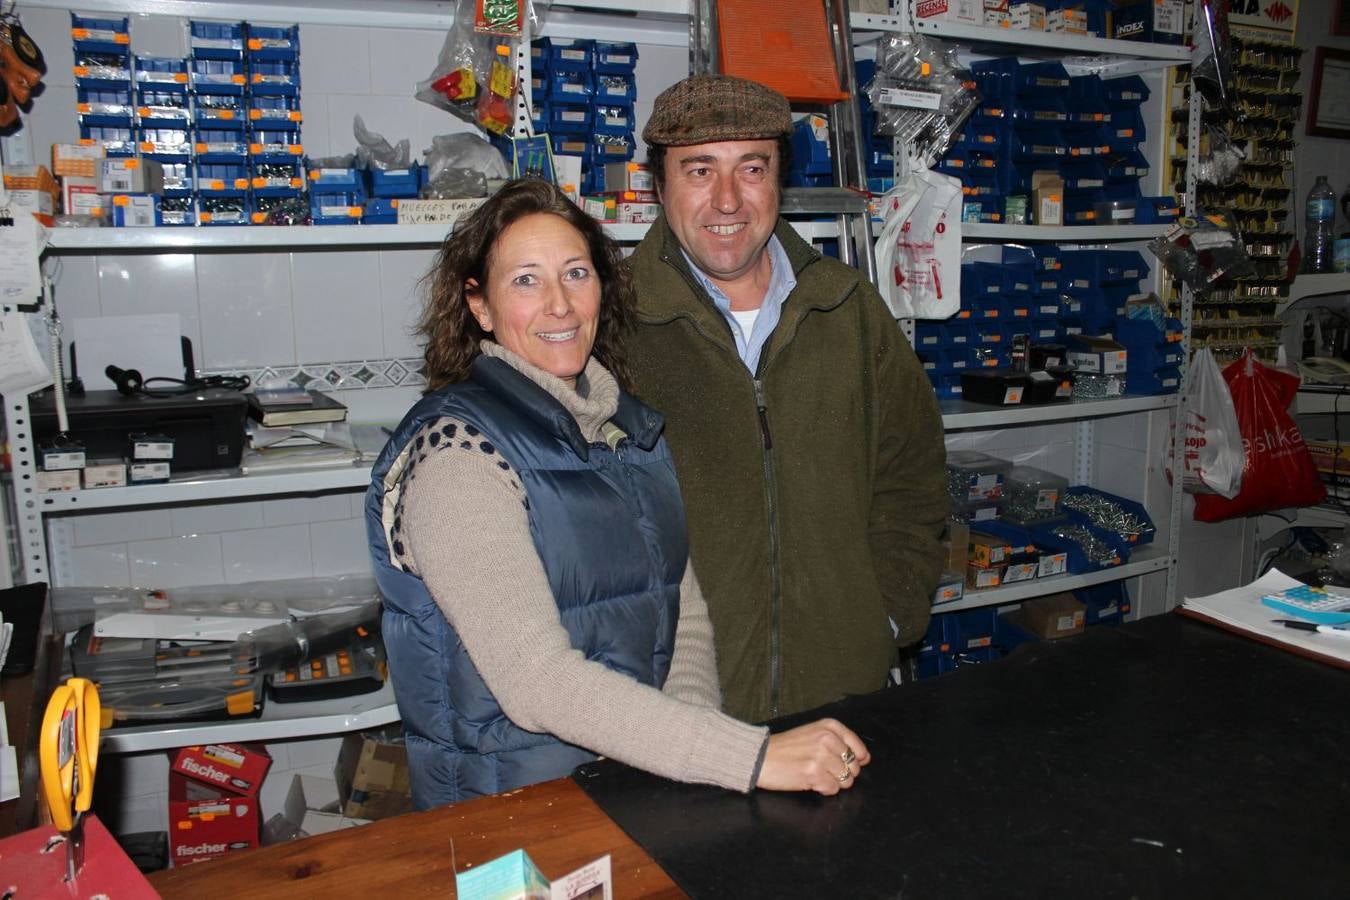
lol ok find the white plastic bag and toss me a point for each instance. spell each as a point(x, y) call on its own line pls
point(919, 248)
point(1213, 458)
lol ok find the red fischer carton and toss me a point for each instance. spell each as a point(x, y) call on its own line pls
point(213, 800)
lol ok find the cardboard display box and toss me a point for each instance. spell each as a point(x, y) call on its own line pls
point(372, 775)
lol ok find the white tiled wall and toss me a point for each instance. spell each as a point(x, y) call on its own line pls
point(218, 543)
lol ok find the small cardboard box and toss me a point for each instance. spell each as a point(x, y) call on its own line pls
point(1047, 198)
point(236, 768)
point(372, 775)
point(80, 160)
point(1097, 355)
point(101, 473)
point(987, 551)
point(628, 176)
point(1054, 616)
point(206, 822)
point(130, 175)
point(968, 12)
point(80, 196)
point(979, 577)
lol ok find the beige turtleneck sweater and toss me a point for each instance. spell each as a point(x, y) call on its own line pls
point(463, 528)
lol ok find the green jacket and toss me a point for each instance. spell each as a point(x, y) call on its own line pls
point(815, 492)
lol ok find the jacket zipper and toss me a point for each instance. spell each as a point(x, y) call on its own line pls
point(775, 570)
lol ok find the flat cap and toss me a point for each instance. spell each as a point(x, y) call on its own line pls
point(702, 109)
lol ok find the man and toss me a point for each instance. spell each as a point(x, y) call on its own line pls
point(806, 437)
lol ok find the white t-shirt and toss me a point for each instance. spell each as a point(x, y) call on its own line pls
point(746, 319)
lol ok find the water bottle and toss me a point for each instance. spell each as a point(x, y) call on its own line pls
point(1319, 219)
point(1341, 251)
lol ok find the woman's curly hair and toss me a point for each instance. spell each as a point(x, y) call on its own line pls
point(451, 331)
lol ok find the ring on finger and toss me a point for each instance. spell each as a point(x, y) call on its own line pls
point(848, 756)
point(844, 775)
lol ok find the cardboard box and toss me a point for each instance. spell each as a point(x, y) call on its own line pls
point(967, 12)
point(372, 775)
point(33, 188)
point(1097, 355)
point(1047, 198)
point(987, 551)
point(205, 822)
point(80, 196)
point(213, 800)
point(950, 589)
point(436, 212)
point(629, 176)
point(58, 480)
point(1330, 456)
point(1055, 616)
point(311, 807)
point(640, 213)
point(980, 577)
point(135, 210)
point(79, 160)
point(102, 473)
point(1027, 16)
point(236, 768)
point(130, 175)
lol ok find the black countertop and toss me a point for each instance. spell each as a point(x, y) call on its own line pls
point(1163, 758)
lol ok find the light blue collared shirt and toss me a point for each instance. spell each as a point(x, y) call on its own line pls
point(781, 283)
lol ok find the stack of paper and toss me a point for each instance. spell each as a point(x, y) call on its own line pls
point(1241, 610)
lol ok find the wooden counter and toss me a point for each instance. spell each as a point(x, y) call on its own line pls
point(416, 855)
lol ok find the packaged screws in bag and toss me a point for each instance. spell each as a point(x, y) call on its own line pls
point(1199, 250)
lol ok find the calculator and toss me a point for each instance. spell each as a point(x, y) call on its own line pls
point(1315, 604)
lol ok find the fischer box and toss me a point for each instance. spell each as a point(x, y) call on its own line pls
point(235, 768)
point(213, 800)
point(205, 822)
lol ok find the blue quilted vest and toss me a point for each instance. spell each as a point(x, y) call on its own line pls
point(609, 527)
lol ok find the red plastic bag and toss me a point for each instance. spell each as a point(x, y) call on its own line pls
point(1280, 473)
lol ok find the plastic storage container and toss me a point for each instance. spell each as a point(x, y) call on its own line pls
point(975, 476)
point(1033, 495)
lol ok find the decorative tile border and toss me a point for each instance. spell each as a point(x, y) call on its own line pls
point(338, 376)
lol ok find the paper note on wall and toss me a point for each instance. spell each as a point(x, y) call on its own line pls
point(22, 368)
point(20, 244)
point(150, 344)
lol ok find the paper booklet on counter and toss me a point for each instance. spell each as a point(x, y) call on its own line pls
point(1240, 610)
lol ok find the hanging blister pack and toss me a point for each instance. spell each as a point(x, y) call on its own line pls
point(921, 94)
point(1200, 250)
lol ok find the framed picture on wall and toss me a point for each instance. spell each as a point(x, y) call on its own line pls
point(1329, 106)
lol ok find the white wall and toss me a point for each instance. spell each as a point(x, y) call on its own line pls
point(1314, 155)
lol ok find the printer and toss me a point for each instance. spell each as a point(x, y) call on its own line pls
point(207, 425)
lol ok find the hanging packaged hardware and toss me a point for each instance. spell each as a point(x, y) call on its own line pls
point(503, 17)
point(494, 104)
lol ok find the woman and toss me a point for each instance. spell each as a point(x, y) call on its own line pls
point(529, 538)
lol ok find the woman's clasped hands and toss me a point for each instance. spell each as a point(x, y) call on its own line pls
point(824, 756)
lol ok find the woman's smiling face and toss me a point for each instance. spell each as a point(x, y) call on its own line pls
point(542, 297)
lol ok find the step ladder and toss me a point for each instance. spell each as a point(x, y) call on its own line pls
point(830, 93)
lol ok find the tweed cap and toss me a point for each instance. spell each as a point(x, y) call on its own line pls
point(702, 109)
